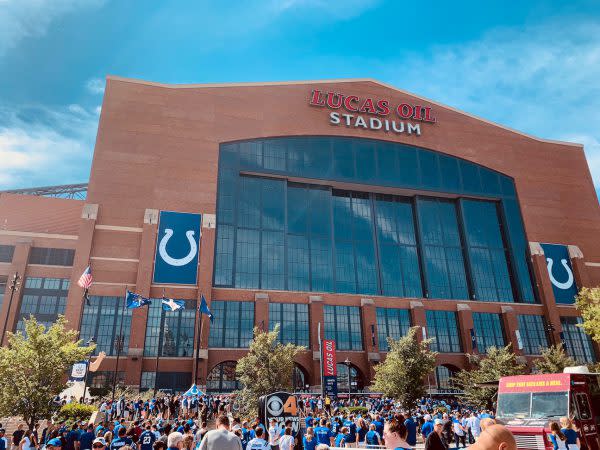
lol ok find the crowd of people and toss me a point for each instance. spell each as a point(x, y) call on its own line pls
point(182, 423)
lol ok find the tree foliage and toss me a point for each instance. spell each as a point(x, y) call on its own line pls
point(33, 368)
point(406, 365)
point(268, 367)
point(588, 303)
point(496, 363)
point(553, 360)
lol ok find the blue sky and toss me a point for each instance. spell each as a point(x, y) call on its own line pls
point(533, 66)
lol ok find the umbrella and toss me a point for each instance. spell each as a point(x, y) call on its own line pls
point(193, 391)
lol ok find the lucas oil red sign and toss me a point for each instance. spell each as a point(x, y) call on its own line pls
point(381, 114)
point(329, 369)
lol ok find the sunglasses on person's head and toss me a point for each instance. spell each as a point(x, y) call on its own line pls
point(98, 445)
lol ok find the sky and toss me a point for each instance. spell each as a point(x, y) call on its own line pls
point(533, 66)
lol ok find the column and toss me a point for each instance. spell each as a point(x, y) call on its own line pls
point(579, 270)
point(261, 311)
point(316, 317)
point(369, 331)
point(418, 317)
point(139, 316)
point(465, 325)
point(83, 251)
point(205, 277)
point(10, 310)
point(510, 324)
point(546, 294)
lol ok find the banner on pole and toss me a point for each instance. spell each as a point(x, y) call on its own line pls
point(78, 371)
point(329, 368)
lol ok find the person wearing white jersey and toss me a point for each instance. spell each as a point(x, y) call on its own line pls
point(258, 443)
point(274, 435)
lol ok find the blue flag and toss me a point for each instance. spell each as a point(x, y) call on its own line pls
point(204, 309)
point(136, 300)
point(170, 304)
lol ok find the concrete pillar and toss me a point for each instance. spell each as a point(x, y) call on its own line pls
point(205, 277)
point(316, 317)
point(83, 251)
point(369, 332)
point(465, 325)
point(139, 316)
point(580, 271)
point(261, 311)
point(10, 310)
point(511, 324)
point(418, 317)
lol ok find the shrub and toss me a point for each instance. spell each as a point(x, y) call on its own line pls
point(362, 410)
point(72, 412)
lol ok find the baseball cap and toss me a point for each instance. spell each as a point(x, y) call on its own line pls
point(56, 442)
point(237, 427)
point(438, 422)
point(99, 441)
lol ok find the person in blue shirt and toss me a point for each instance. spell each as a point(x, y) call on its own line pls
point(309, 441)
point(372, 438)
point(411, 426)
point(567, 429)
point(87, 438)
point(309, 420)
point(147, 439)
point(378, 425)
point(323, 434)
point(340, 439)
point(427, 427)
point(351, 437)
point(71, 438)
point(121, 440)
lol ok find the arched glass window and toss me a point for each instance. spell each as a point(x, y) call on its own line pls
point(443, 378)
point(222, 378)
point(298, 379)
point(356, 381)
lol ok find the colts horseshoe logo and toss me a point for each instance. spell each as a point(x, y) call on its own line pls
point(177, 262)
point(567, 284)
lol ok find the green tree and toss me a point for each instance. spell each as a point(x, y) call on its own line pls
point(588, 303)
point(485, 370)
point(268, 367)
point(553, 360)
point(406, 365)
point(33, 368)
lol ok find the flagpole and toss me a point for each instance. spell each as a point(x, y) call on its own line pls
point(198, 341)
point(161, 332)
point(120, 344)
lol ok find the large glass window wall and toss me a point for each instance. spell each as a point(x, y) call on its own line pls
point(277, 234)
point(43, 298)
point(170, 331)
point(105, 319)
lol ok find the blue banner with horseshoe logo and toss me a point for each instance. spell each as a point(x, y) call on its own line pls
point(560, 272)
point(177, 248)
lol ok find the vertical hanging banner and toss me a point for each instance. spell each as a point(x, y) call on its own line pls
point(177, 248)
point(329, 368)
point(560, 272)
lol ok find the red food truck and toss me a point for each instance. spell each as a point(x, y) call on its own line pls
point(527, 404)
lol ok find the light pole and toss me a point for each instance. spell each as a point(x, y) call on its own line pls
point(15, 283)
point(348, 364)
point(91, 341)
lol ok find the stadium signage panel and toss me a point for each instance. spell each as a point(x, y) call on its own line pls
point(373, 114)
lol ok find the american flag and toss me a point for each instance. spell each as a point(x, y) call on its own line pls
point(85, 280)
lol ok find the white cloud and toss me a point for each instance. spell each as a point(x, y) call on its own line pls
point(20, 19)
point(542, 80)
point(40, 146)
point(95, 85)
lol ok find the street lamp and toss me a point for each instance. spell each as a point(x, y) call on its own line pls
point(348, 364)
point(91, 341)
point(15, 283)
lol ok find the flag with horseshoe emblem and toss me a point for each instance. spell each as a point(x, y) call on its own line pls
point(177, 248)
point(560, 272)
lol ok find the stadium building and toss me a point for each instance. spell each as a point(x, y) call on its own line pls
point(345, 206)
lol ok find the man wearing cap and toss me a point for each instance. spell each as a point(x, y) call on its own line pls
point(427, 427)
point(53, 444)
point(435, 441)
